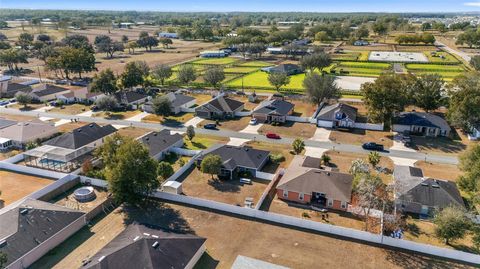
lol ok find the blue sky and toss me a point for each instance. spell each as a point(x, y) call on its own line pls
point(253, 5)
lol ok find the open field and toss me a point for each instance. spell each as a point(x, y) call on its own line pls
point(198, 184)
point(201, 141)
point(255, 64)
point(260, 79)
point(15, 186)
point(228, 237)
point(216, 61)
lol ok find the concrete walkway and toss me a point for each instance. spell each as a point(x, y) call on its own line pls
point(62, 122)
point(85, 114)
point(321, 135)
point(237, 141)
point(138, 117)
point(194, 122)
point(252, 129)
point(403, 161)
point(399, 145)
point(314, 152)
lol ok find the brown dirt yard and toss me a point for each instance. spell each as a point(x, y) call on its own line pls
point(70, 126)
point(439, 171)
point(15, 186)
point(358, 137)
point(173, 120)
point(72, 109)
point(275, 149)
point(198, 184)
point(133, 132)
point(236, 124)
point(303, 108)
point(290, 129)
point(228, 237)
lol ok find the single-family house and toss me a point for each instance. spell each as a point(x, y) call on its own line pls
point(179, 102)
point(305, 184)
point(160, 143)
point(48, 92)
point(421, 123)
point(5, 123)
point(417, 194)
point(81, 95)
point(238, 160)
point(32, 228)
point(131, 98)
point(168, 35)
point(213, 54)
point(22, 133)
point(273, 110)
point(289, 69)
point(219, 108)
point(336, 115)
point(8, 88)
point(69, 150)
point(145, 246)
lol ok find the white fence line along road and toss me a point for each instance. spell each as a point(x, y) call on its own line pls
point(366, 237)
point(256, 137)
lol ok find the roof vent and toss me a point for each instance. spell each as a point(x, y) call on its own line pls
point(424, 184)
point(155, 134)
point(24, 211)
point(435, 186)
point(136, 238)
point(147, 138)
point(155, 245)
point(101, 258)
point(91, 125)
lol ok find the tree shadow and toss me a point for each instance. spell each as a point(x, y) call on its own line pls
point(442, 144)
point(224, 185)
point(159, 215)
point(413, 229)
point(198, 145)
point(171, 122)
point(408, 260)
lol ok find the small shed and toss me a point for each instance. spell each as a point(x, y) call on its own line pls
point(173, 187)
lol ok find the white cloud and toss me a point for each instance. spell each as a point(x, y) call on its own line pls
point(472, 4)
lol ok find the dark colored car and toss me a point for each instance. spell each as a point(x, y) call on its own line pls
point(272, 136)
point(210, 126)
point(373, 146)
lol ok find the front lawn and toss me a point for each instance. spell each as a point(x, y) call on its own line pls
point(72, 109)
point(173, 120)
point(116, 115)
point(201, 141)
point(359, 136)
point(236, 124)
point(438, 145)
point(133, 132)
point(290, 129)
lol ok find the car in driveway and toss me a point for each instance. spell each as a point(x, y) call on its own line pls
point(210, 126)
point(253, 121)
point(373, 146)
point(272, 136)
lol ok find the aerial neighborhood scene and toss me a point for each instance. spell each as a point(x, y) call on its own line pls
point(244, 135)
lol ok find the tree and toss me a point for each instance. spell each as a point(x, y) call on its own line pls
point(25, 40)
point(475, 62)
point(162, 106)
point(386, 96)
point(106, 45)
point(325, 159)
point(107, 103)
point(320, 88)
point(12, 57)
point(124, 39)
point(78, 42)
point(165, 42)
point(3, 37)
point(298, 145)
point(76, 60)
point(104, 82)
point(3, 259)
point(358, 166)
point(214, 76)
point(147, 41)
point(46, 52)
point(190, 132)
point(186, 74)
point(428, 92)
point(131, 46)
point(374, 158)
point(451, 224)
point(464, 110)
point(318, 60)
point(164, 170)
point(109, 149)
point(470, 165)
point(277, 80)
point(371, 194)
point(211, 164)
point(133, 175)
point(23, 98)
point(162, 72)
point(44, 38)
point(132, 75)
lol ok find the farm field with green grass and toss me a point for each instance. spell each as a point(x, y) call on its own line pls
point(216, 61)
point(259, 79)
point(240, 69)
point(255, 64)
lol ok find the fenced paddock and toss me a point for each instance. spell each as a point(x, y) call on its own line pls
point(399, 57)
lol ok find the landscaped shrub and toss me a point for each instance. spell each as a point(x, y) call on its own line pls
point(277, 158)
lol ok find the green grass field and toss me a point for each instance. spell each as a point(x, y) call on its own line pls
point(435, 67)
point(255, 64)
point(435, 57)
point(216, 61)
point(198, 68)
point(260, 79)
point(368, 65)
point(240, 69)
point(346, 56)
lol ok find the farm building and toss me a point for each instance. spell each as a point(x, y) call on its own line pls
point(213, 54)
point(289, 69)
point(144, 246)
point(160, 143)
point(421, 123)
point(336, 115)
point(308, 184)
point(219, 108)
point(168, 35)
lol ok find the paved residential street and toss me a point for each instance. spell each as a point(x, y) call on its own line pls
point(256, 137)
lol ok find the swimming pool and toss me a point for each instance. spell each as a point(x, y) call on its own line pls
point(51, 162)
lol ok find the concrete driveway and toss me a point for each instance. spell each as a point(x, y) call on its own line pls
point(85, 114)
point(321, 135)
point(252, 129)
point(138, 117)
point(237, 141)
point(194, 121)
point(314, 151)
point(403, 161)
point(398, 144)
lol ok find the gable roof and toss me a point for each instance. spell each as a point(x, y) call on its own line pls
point(285, 68)
point(81, 136)
point(224, 104)
point(27, 131)
point(421, 119)
point(47, 89)
point(233, 156)
point(276, 107)
point(129, 97)
point(406, 177)
point(134, 248)
point(14, 87)
point(297, 178)
point(337, 111)
point(5, 123)
point(31, 223)
point(157, 142)
point(178, 99)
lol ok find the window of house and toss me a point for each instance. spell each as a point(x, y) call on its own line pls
point(344, 205)
point(285, 193)
point(330, 202)
point(300, 196)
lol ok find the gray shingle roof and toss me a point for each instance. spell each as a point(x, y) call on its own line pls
point(47, 89)
point(275, 106)
point(337, 111)
point(81, 136)
point(225, 104)
point(234, 156)
point(157, 142)
point(5, 123)
point(134, 248)
point(421, 119)
point(31, 223)
point(129, 97)
point(178, 99)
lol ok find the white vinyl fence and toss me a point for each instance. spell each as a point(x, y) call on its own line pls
point(183, 169)
point(369, 126)
point(263, 175)
point(243, 113)
point(31, 170)
point(94, 182)
point(298, 119)
point(187, 110)
point(324, 228)
point(184, 152)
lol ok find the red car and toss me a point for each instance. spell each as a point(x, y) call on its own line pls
point(272, 136)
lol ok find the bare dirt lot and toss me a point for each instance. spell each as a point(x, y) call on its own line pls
point(15, 186)
point(290, 129)
point(228, 237)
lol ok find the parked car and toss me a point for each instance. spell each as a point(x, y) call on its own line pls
point(373, 146)
point(210, 126)
point(272, 136)
point(253, 121)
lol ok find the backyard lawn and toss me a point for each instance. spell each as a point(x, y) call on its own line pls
point(303, 108)
point(275, 149)
point(133, 132)
point(15, 186)
point(290, 129)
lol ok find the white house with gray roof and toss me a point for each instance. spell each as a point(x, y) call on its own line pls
point(421, 123)
point(336, 115)
point(19, 134)
point(179, 102)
